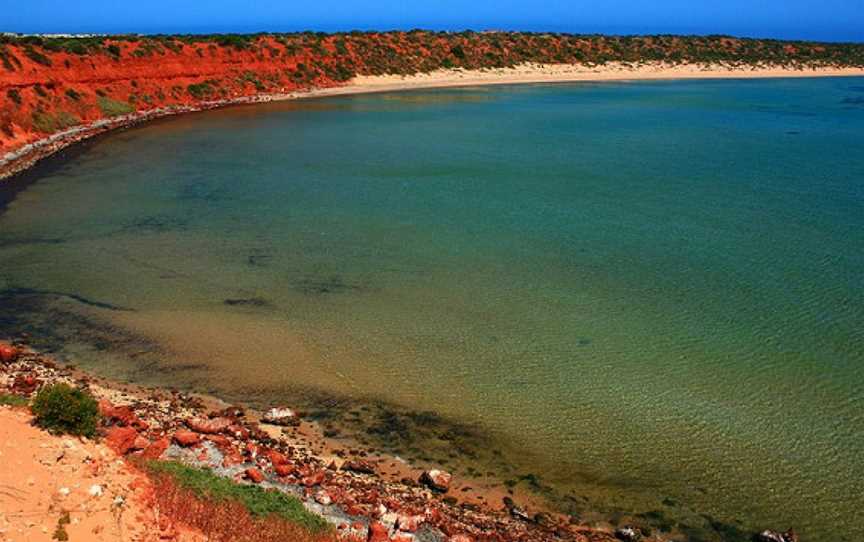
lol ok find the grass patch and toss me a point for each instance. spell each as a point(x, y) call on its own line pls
point(202, 90)
point(114, 108)
point(48, 123)
point(260, 503)
point(62, 409)
point(7, 399)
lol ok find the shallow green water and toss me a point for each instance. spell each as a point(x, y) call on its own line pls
point(651, 291)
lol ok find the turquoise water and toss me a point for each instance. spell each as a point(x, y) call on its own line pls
point(650, 292)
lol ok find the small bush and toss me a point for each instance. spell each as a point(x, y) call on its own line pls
point(47, 123)
point(73, 94)
point(63, 409)
point(113, 108)
point(15, 96)
point(36, 56)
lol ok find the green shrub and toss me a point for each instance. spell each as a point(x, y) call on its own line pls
point(200, 90)
point(73, 94)
point(260, 502)
point(36, 56)
point(113, 108)
point(47, 123)
point(14, 95)
point(60, 408)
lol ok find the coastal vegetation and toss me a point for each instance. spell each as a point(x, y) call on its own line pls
point(62, 409)
point(53, 83)
point(225, 510)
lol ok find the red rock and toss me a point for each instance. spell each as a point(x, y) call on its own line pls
point(460, 538)
point(402, 537)
point(156, 449)
point(254, 475)
point(231, 458)
point(409, 524)
point(314, 479)
point(25, 384)
point(186, 438)
point(221, 441)
point(8, 353)
point(276, 458)
point(120, 415)
point(284, 470)
point(209, 427)
point(121, 439)
point(239, 432)
point(437, 480)
point(323, 498)
point(378, 532)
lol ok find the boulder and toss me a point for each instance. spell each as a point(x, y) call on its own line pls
point(276, 458)
point(323, 498)
point(359, 465)
point(774, 536)
point(8, 353)
point(121, 439)
point(119, 415)
point(284, 470)
point(254, 475)
point(281, 416)
point(186, 438)
point(409, 524)
point(378, 532)
point(156, 449)
point(460, 538)
point(628, 534)
point(437, 480)
point(208, 427)
point(314, 479)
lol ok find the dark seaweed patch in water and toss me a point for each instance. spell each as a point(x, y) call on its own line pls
point(9, 243)
point(200, 191)
point(18, 292)
point(249, 302)
point(333, 285)
point(51, 325)
point(259, 257)
point(855, 100)
point(156, 224)
point(856, 88)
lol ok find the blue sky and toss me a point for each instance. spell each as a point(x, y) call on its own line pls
point(835, 20)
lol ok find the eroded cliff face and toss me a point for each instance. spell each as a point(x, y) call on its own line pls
point(48, 85)
point(47, 92)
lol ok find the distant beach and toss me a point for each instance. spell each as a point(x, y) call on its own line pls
point(24, 156)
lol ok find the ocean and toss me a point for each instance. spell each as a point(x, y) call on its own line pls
point(643, 300)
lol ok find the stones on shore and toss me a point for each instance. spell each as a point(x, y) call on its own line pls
point(515, 511)
point(186, 438)
point(628, 534)
point(254, 475)
point(208, 427)
point(124, 440)
point(437, 480)
point(774, 536)
point(8, 353)
point(359, 466)
point(281, 416)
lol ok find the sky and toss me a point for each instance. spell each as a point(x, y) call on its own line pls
point(829, 20)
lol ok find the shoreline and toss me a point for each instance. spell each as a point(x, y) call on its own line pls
point(20, 159)
point(347, 483)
